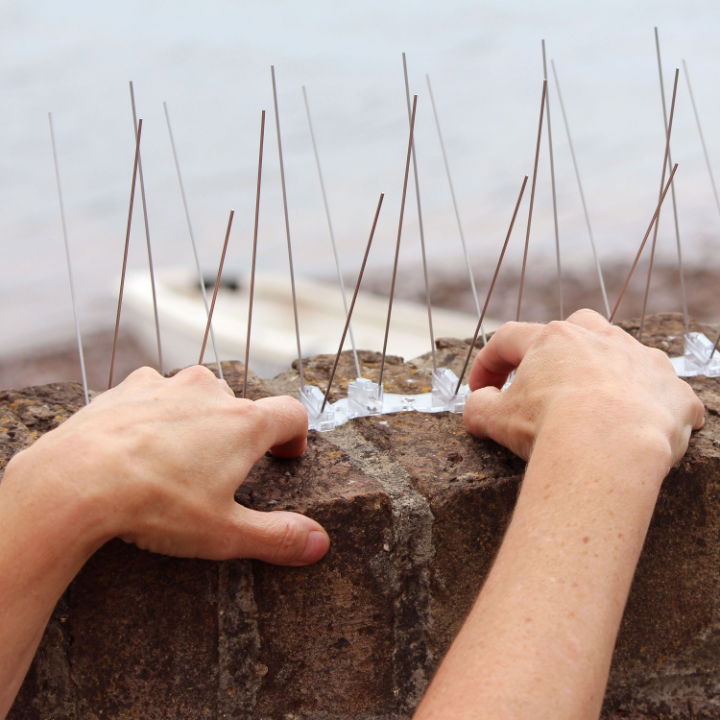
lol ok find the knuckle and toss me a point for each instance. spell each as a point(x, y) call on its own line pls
point(143, 373)
point(196, 374)
point(555, 329)
point(556, 326)
point(585, 313)
point(294, 406)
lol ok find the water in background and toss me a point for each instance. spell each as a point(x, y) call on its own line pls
point(211, 60)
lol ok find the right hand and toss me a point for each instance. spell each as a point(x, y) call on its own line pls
point(581, 379)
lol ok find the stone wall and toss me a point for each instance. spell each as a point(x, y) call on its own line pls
point(416, 509)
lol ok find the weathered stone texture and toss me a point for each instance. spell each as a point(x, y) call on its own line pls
point(321, 622)
point(416, 509)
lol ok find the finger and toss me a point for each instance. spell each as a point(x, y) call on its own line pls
point(502, 354)
point(589, 319)
point(481, 412)
point(699, 420)
point(486, 415)
point(286, 424)
point(281, 538)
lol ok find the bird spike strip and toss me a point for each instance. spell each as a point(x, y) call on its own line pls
point(366, 397)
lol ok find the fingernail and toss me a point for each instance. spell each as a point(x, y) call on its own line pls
point(316, 546)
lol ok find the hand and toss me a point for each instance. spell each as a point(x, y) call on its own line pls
point(159, 461)
point(581, 375)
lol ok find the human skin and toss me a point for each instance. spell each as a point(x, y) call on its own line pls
point(155, 461)
point(601, 419)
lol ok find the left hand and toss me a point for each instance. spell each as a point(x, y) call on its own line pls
point(158, 460)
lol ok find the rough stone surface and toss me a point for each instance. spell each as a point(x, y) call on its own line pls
point(416, 509)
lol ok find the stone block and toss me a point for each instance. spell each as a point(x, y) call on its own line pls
point(416, 509)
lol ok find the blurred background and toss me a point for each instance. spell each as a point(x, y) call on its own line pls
point(211, 62)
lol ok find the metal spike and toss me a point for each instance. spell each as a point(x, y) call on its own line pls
point(715, 347)
point(708, 165)
point(666, 158)
point(352, 302)
point(201, 280)
point(147, 236)
point(341, 281)
point(254, 254)
point(702, 137)
point(492, 284)
point(287, 228)
point(61, 203)
point(554, 193)
point(397, 242)
point(125, 251)
point(532, 200)
point(676, 223)
point(218, 280)
point(653, 220)
point(421, 226)
point(461, 233)
point(598, 269)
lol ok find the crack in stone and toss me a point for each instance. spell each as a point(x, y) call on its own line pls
point(239, 672)
point(412, 550)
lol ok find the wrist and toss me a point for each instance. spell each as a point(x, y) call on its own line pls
point(59, 499)
point(616, 448)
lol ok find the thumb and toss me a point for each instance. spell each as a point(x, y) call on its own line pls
point(278, 537)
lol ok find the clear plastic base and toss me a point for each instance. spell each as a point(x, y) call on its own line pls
point(312, 398)
point(696, 359)
point(366, 398)
point(444, 397)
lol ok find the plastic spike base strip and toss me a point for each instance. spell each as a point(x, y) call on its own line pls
point(697, 360)
point(365, 398)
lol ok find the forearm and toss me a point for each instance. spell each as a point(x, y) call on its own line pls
point(539, 640)
point(46, 538)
